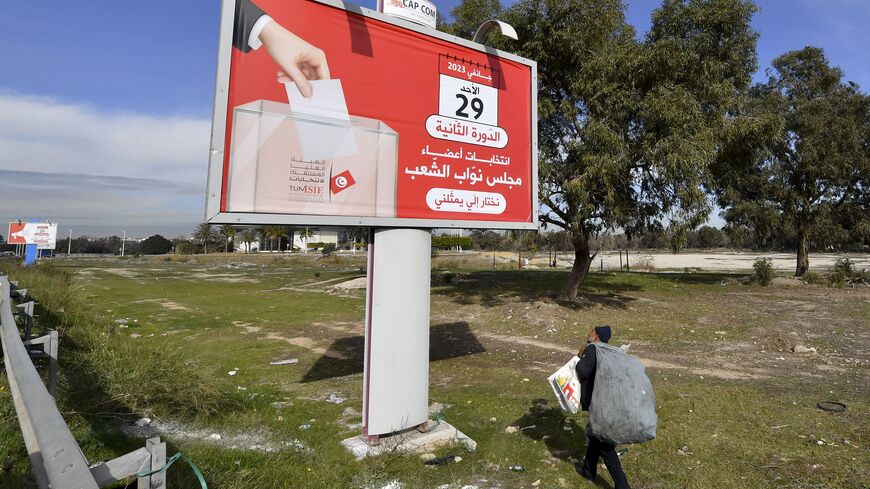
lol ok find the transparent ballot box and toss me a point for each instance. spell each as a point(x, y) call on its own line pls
point(292, 163)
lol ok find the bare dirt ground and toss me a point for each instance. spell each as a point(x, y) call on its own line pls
point(709, 261)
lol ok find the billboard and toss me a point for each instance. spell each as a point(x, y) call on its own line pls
point(42, 234)
point(419, 11)
point(332, 114)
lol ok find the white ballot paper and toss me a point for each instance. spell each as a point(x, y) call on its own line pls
point(566, 385)
point(323, 140)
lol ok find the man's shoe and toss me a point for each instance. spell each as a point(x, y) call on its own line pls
point(582, 470)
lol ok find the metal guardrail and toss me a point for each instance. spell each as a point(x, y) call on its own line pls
point(57, 460)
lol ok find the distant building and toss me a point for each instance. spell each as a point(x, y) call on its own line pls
point(318, 235)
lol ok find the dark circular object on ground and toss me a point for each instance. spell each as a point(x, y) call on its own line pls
point(831, 406)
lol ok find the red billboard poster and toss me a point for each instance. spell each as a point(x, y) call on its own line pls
point(327, 113)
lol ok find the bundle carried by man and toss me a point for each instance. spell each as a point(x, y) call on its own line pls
point(622, 407)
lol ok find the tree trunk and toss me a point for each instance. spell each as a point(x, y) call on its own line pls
point(803, 254)
point(582, 261)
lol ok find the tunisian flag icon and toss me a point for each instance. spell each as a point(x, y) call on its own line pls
point(341, 181)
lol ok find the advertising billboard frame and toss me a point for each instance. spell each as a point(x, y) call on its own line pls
point(213, 213)
point(52, 240)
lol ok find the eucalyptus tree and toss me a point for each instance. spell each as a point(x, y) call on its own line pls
point(799, 165)
point(628, 128)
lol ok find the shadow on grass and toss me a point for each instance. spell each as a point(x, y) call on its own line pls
point(562, 436)
point(450, 340)
point(106, 416)
point(495, 287)
point(491, 288)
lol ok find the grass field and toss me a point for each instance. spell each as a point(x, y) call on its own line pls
point(737, 409)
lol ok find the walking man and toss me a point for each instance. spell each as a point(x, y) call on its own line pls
point(596, 448)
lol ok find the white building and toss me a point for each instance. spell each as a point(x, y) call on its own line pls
point(318, 235)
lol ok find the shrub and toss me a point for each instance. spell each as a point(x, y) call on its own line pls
point(844, 266)
point(155, 245)
point(447, 242)
point(328, 249)
point(186, 248)
point(762, 271)
point(844, 273)
point(815, 278)
point(644, 263)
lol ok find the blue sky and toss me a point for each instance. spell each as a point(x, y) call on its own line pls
point(123, 90)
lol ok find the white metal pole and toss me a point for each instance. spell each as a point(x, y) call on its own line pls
point(123, 242)
point(69, 244)
point(396, 368)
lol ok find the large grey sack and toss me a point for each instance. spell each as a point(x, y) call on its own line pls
point(623, 407)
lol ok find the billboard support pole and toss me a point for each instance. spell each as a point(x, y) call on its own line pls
point(396, 369)
point(29, 255)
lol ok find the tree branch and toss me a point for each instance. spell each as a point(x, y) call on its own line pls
point(554, 222)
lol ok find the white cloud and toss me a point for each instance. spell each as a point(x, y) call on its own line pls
point(46, 135)
point(85, 167)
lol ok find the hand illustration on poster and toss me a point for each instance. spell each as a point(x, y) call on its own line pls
point(299, 61)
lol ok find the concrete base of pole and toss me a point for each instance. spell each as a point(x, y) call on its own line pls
point(439, 434)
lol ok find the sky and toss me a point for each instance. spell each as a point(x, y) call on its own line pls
point(105, 106)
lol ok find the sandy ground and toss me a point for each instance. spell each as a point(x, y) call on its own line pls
point(729, 260)
point(721, 261)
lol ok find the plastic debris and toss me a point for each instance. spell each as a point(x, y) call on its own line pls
point(441, 460)
point(517, 468)
point(289, 361)
point(335, 398)
point(305, 426)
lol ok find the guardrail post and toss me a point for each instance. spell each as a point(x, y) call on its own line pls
point(27, 311)
point(157, 449)
point(52, 350)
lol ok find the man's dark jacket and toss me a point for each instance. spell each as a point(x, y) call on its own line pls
point(247, 14)
point(586, 373)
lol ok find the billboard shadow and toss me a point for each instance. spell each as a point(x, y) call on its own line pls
point(448, 340)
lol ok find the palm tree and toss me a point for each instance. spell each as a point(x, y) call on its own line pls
point(205, 234)
point(261, 233)
point(357, 234)
point(306, 233)
point(248, 236)
point(227, 231)
point(274, 232)
point(281, 232)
